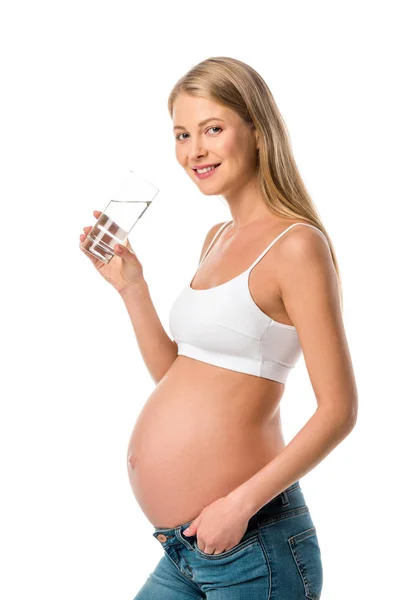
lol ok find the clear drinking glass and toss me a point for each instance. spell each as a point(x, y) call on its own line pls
point(120, 215)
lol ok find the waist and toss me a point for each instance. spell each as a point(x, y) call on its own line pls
point(198, 376)
point(285, 504)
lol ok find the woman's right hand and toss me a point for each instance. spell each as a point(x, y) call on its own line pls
point(124, 269)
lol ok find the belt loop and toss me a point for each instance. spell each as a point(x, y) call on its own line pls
point(284, 498)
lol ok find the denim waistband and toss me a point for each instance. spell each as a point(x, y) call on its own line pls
point(291, 497)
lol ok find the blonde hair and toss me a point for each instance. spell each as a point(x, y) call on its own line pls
point(239, 87)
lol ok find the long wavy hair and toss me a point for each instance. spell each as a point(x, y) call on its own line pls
point(238, 86)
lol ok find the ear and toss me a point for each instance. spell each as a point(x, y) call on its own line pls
point(255, 134)
point(257, 141)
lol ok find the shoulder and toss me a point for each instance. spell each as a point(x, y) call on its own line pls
point(305, 265)
point(210, 236)
point(211, 232)
point(303, 243)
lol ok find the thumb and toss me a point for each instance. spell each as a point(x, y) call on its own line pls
point(128, 245)
point(192, 529)
point(123, 251)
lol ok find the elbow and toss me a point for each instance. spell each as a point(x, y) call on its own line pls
point(351, 423)
point(353, 413)
point(349, 420)
point(343, 421)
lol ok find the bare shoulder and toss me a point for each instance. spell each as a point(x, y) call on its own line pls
point(303, 242)
point(303, 254)
point(209, 237)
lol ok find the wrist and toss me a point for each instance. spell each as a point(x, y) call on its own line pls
point(134, 289)
point(243, 504)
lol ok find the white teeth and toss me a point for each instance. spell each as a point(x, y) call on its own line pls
point(205, 170)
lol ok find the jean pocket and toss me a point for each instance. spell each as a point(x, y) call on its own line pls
point(249, 541)
point(307, 556)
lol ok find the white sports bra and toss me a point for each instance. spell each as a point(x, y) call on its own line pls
point(223, 326)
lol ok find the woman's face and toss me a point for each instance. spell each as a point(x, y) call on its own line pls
point(225, 139)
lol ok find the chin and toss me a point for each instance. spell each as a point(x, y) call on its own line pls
point(210, 193)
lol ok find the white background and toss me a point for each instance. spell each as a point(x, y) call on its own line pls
point(84, 88)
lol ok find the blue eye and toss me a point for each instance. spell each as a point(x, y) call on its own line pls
point(215, 127)
point(177, 137)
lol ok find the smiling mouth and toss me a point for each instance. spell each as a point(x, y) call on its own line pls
point(202, 172)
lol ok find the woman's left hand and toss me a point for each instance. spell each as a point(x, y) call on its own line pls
point(219, 527)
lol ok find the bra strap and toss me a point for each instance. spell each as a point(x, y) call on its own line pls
point(214, 238)
point(277, 238)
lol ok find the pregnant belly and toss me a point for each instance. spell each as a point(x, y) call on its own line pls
point(197, 438)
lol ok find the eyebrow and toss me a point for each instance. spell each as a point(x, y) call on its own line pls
point(201, 122)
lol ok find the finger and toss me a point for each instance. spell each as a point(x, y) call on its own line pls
point(92, 258)
point(83, 238)
point(97, 213)
point(128, 245)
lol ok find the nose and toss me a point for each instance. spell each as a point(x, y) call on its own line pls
point(196, 149)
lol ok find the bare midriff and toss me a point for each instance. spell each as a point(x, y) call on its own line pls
point(203, 431)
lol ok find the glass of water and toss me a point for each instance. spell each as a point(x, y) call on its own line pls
point(119, 216)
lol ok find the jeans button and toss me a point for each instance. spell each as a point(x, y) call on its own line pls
point(161, 537)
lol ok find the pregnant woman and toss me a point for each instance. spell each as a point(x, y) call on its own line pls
point(207, 460)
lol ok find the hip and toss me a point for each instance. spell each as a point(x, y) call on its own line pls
point(278, 556)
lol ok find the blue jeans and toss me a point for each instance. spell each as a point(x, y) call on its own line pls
point(278, 558)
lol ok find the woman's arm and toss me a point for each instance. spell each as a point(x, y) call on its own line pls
point(309, 290)
point(157, 349)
